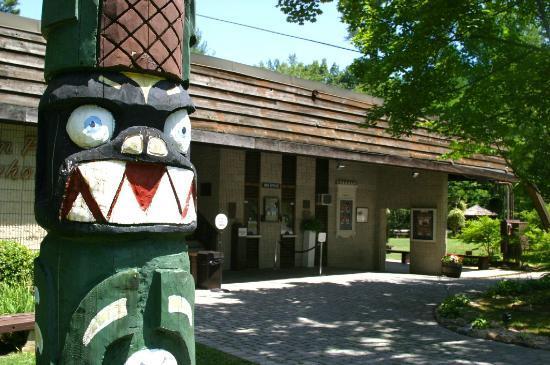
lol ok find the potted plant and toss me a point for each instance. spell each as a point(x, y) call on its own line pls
point(451, 266)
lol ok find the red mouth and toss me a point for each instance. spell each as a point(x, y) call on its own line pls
point(129, 193)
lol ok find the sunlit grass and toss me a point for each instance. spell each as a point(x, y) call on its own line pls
point(205, 356)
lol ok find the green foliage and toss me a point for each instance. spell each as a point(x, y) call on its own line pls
point(15, 299)
point(16, 264)
point(456, 220)
point(517, 287)
point(300, 11)
point(454, 306)
point(480, 66)
point(399, 219)
point(463, 194)
point(200, 46)
point(484, 232)
point(312, 224)
point(9, 6)
point(315, 71)
point(480, 323)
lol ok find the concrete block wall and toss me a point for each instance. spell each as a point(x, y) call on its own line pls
point(231, 190)
point(305, 190)
point(357, 251)
point(17, 174)
point(206, 160)
point(398, 189)
point(271, 171)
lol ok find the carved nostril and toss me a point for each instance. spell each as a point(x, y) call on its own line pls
point(132, 145)
point(156, 147)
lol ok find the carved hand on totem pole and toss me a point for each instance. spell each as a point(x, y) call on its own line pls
point(115, 186)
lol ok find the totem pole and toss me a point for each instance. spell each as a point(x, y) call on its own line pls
point(115, 188)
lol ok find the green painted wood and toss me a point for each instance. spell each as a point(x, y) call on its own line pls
point(77, 278)
point(56, 12)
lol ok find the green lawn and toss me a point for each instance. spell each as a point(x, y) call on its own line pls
point(454, 245)
point(205, 356)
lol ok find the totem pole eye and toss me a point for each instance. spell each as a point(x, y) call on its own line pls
point(90, 126)
point(178, 129)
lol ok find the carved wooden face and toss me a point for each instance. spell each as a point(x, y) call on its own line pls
point(113, 155)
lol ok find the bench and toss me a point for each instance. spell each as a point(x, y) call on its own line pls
point(16, 322)
point(405, 255)
point(482, 261)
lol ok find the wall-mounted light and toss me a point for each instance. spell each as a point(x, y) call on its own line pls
point(340, 165)
point(415, 174)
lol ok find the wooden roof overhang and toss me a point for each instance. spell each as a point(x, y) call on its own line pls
point(248, 107)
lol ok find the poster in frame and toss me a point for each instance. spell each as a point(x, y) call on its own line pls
point(271, 209)
point(423, 223)
point(362, 215)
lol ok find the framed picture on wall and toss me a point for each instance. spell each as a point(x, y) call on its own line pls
point(362, 215)
point(271, 209)
point(423, 224)
point(346, 215)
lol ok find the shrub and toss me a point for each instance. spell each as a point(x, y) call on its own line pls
point(456, 220)
point(483, 231)
point(454, 306)
point(480, 323)
point(16, 264)
point(515, 287)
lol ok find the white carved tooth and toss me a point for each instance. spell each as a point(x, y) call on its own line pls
point(156, 147)
point(132, 145)
point(178, 304)
point(191, 215)
point(114, 311)
point(182, 179)
point(164, 207)
point(80, 211)
point(127, 209)
point(103, 178)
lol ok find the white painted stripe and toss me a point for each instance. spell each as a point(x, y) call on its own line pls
point(178, 304)
point(39, 342)
point(114, 311)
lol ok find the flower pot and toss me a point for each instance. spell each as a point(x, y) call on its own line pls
point(451, 270)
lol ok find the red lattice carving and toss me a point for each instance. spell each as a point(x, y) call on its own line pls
point(142, 34)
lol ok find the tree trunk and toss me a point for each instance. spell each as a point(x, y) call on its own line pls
point(540, 207)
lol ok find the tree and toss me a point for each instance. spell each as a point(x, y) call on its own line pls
point(473, 70)
point(456, 220)
point(483, 231)
point(9, 6)
point(200, 46)
point(315, 71)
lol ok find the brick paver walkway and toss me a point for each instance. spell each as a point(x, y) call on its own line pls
point(366, 318)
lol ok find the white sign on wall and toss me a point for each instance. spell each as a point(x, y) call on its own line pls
point(221, 221)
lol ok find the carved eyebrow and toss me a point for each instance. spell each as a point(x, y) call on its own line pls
point(109, 82)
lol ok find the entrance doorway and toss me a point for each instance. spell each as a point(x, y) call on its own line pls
point(398, 243)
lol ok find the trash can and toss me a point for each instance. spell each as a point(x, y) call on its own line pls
point(210, 269)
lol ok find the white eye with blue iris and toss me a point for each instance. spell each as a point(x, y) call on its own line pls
point(177, 128)
point(90, 126)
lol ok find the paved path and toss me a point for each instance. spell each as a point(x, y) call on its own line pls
point(366, 318)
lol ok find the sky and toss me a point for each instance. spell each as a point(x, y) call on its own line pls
point(250, 46)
